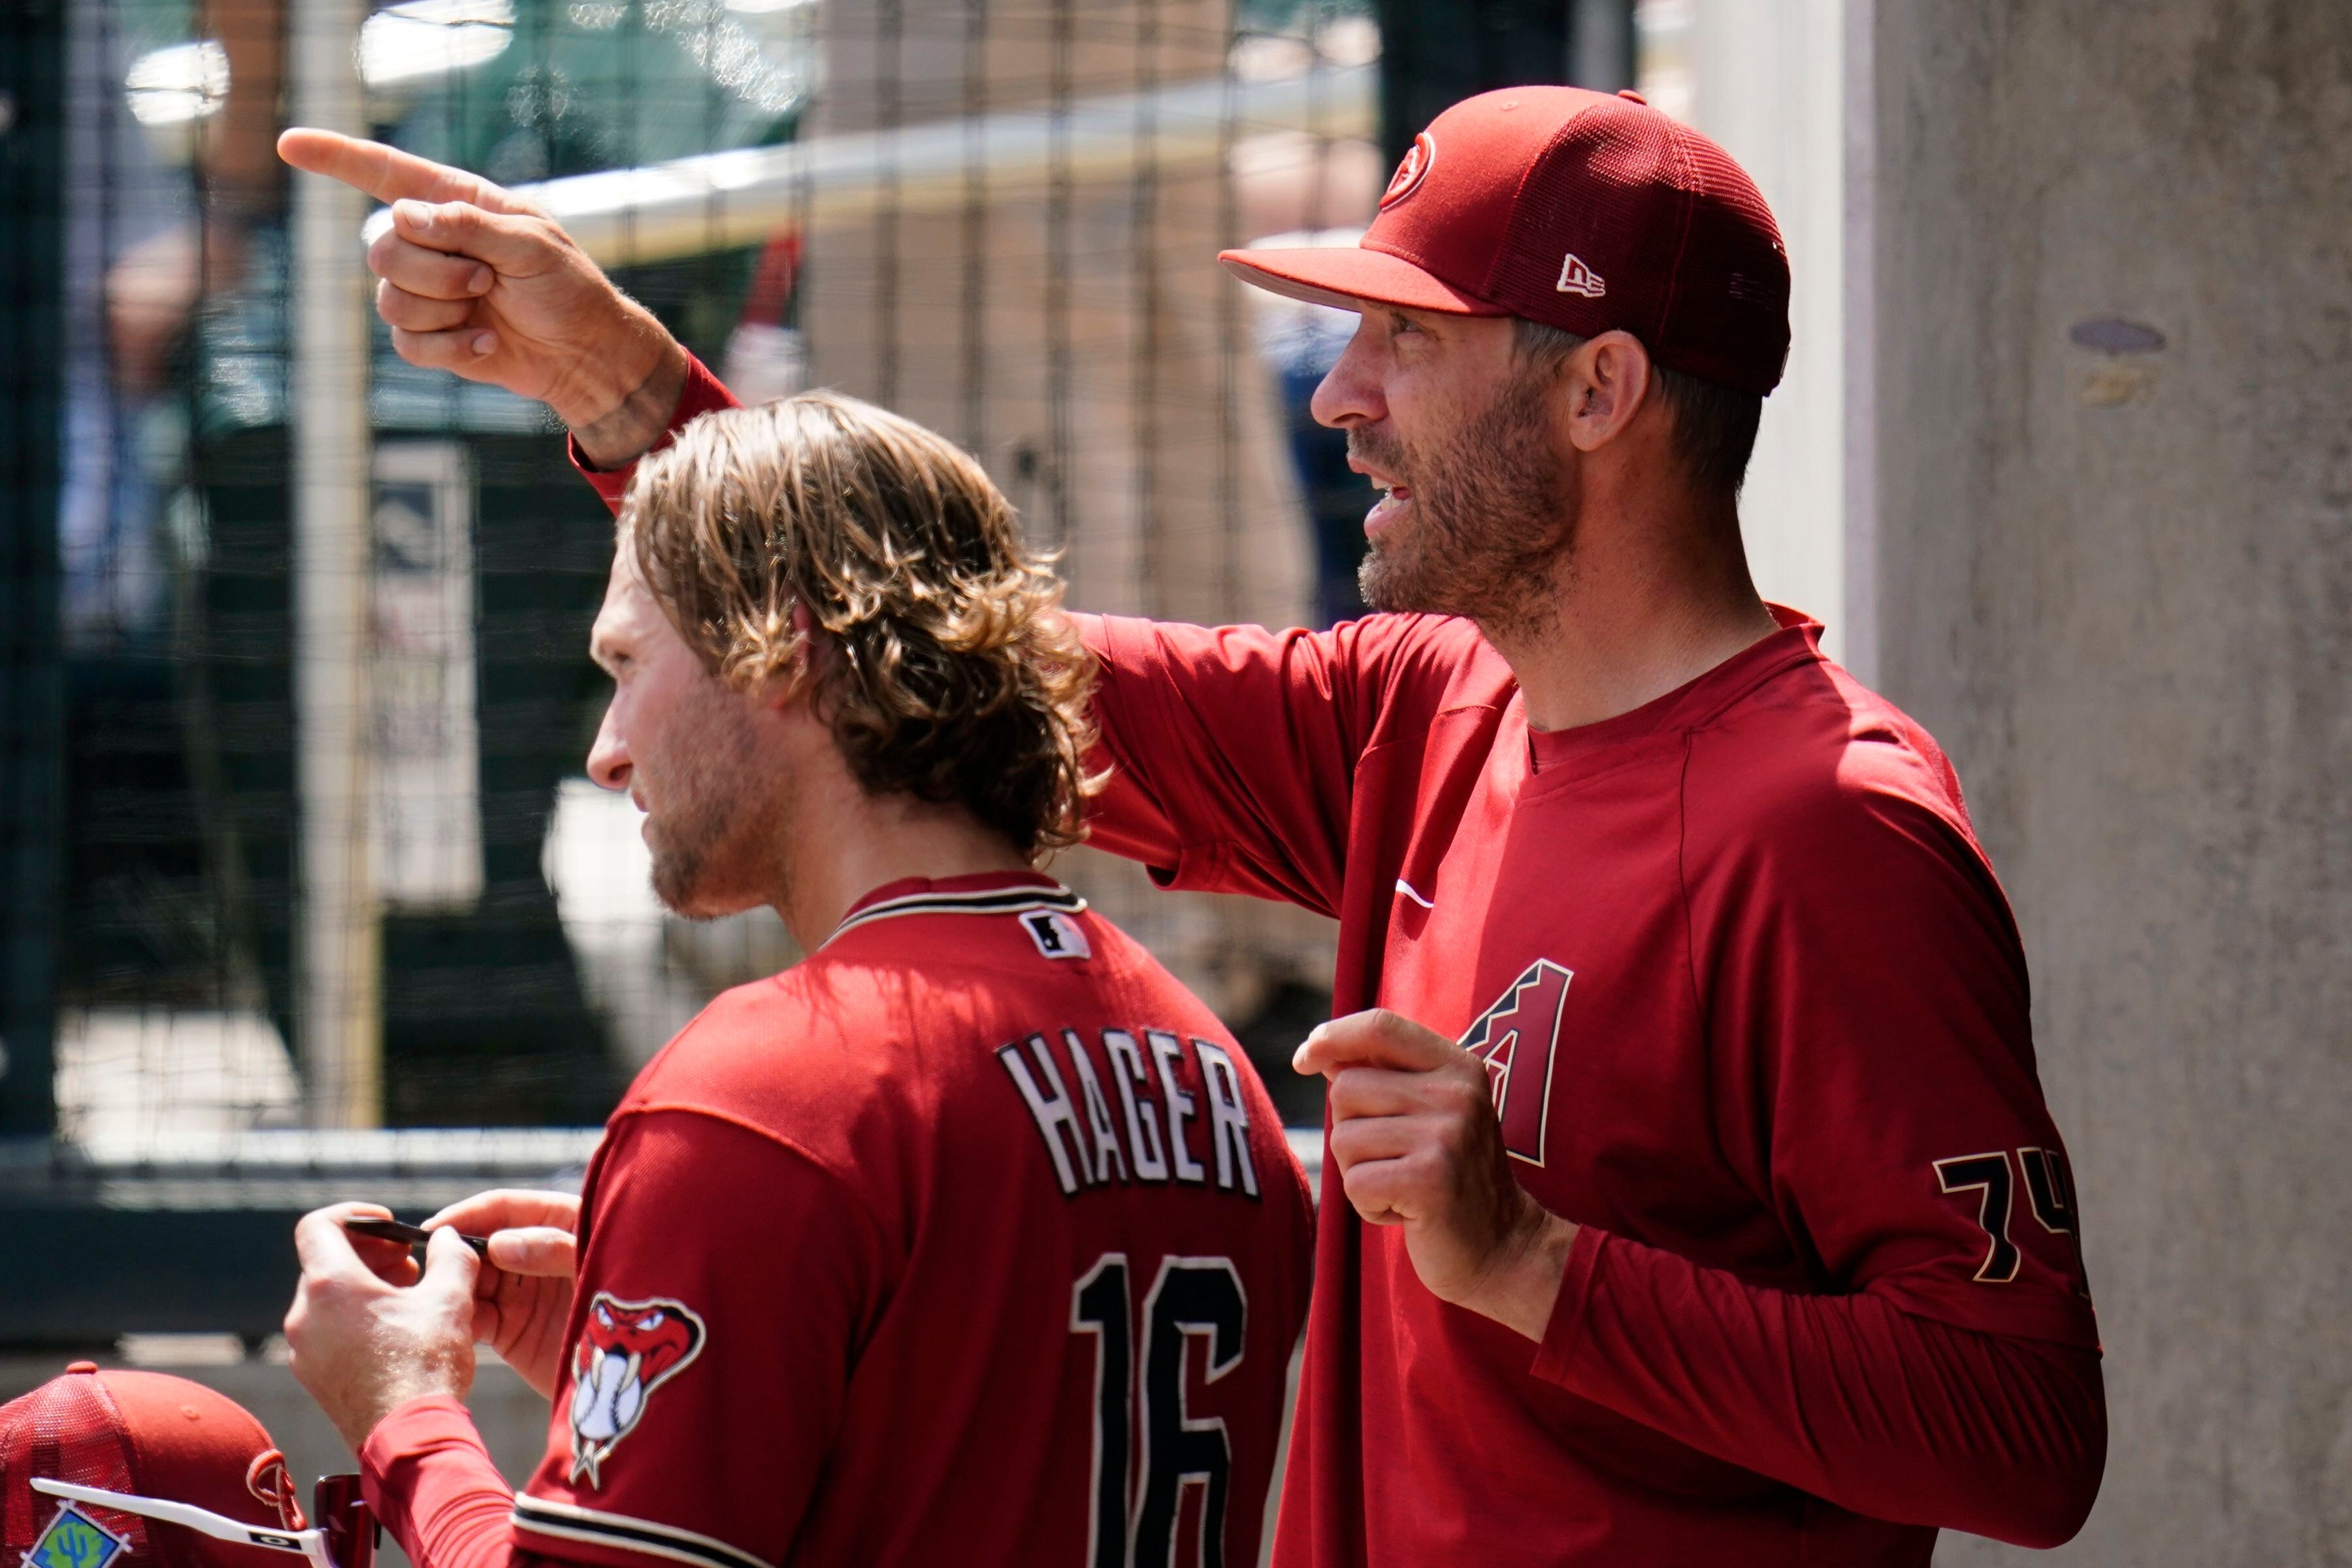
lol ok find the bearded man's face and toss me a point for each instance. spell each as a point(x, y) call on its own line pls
point(1488, 510)
point(704, 794)
point(682, 743)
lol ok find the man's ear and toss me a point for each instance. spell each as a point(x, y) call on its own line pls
point(1609, 382)
point(812, 649)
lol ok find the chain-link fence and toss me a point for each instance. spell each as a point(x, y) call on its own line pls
point(324, 851)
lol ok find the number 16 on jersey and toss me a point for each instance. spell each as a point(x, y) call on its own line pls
point(1141, 1406)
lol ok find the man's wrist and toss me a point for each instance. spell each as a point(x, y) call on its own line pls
point(617, 424)
point(1520, 1292)
point(358, 1420)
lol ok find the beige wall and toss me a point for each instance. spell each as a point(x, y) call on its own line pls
point(2119, 587)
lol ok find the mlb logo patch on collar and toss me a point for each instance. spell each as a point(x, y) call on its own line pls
point(1056, 934)
point(74, 1540)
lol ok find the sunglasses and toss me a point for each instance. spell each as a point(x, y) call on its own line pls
point(344, 1536)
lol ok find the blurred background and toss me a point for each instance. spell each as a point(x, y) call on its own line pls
point(308, 897)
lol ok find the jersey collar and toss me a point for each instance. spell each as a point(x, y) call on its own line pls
point(1555, 754)
point(983, 893)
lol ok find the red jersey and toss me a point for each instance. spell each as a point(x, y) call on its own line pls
point(1755, 1013)
point(971, 1238)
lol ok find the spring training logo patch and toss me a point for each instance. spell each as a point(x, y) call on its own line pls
point(74, 1540)
point(627, 1350)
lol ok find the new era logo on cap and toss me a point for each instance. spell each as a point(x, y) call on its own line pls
point(1576, 277)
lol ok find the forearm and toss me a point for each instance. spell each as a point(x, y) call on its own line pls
point(429, 1481)
point(606, 450)
point(1888, 1414)
point(618, 414)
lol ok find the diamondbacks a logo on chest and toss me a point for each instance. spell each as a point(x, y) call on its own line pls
point(1516, 1038)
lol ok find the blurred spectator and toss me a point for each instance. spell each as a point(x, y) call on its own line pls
point(140, 247)
point(1291, 189)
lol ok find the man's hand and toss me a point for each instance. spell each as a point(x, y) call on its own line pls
point(523, 1299)
point(476, 280)
point(368, 1331)
point(1414, 1136)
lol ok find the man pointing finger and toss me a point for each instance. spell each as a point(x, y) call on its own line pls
point(478, 281)
point(1762, 1165)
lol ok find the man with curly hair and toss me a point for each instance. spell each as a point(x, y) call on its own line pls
point(973, 1237)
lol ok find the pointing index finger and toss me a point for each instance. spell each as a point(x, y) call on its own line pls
point(1375, 1038)
point(389, 174)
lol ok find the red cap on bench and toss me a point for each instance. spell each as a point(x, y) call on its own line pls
point(146, 1433)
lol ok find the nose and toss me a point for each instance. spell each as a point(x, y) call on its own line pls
point(608, 759)
point(1350, 392)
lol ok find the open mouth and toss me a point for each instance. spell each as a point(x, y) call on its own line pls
point(1394, 501)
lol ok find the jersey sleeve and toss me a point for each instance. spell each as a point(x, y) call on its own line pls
point(702, 394)
point(428, 1479)
point(727, 1283)
point(1865, 998)
point(1849, 1398)
point(1868, 994)
point(1233, 751)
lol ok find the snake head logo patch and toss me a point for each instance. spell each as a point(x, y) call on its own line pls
point(627, 1350)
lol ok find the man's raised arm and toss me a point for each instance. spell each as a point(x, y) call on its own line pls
point(475, 281)
point(1233, 750)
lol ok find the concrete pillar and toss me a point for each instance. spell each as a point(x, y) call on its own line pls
point(2112, 317)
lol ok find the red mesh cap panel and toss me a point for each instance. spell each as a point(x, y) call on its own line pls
point(141, 1432)
point(64, 1430)
point(1597, 227)
point(1729, 320)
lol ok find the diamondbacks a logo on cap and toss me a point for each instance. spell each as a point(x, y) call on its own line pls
point(627, 1350)
point(1576, 277)
point(1409, 173)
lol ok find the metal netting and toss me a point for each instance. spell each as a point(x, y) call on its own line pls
point(325, 850)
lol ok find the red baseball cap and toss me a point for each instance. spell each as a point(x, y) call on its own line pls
point(1586, 211)
point(146, 1433)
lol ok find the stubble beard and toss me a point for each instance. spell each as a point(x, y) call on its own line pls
point(1492, 516)
point(711, 858)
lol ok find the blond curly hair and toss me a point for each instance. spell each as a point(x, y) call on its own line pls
point(957, 680)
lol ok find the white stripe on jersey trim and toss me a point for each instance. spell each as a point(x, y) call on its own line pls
point(981, 901)
point(567, 1522)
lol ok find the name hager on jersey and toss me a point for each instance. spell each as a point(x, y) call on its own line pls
point(1181, 1114)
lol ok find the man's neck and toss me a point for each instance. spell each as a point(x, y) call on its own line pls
point(1635, 613)
point(844, 846)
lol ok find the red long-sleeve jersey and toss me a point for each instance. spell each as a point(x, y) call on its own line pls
point(971, 1239)
point(1755, 1014)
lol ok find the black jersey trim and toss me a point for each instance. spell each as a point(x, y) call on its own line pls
point(986, 902)
point(567, 1522)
